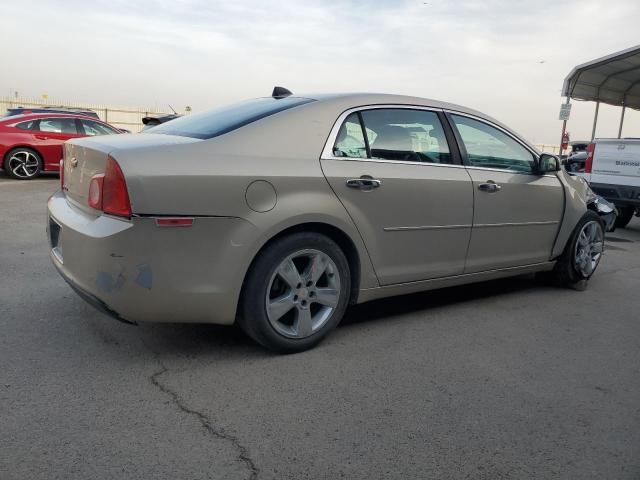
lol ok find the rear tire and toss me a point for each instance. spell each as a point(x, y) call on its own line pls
point(582, 253)
point(22, 164)
point(295, 293)
point(625, 216)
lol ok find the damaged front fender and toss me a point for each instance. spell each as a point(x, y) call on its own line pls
point(606, 210)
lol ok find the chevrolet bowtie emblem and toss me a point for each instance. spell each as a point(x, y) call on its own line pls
point(74, 162)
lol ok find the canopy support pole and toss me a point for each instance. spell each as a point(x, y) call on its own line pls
point(564, 129)
point(595, 121)
point(621, 121)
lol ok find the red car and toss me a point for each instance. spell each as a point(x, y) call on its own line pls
point(30, 144)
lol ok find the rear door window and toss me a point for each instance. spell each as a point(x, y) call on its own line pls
point(489, 147)
point(406, 135)
point(58, 125)
point(400, 134)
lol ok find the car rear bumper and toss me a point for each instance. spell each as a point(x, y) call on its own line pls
point(620, 195)
point(92, 299)
point(136, 271)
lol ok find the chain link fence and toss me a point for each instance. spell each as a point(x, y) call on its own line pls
point(548, 148)
point(120, 117)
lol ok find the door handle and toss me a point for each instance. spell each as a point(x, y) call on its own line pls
point(489, 186)
point(42, 137)
point(365, 182)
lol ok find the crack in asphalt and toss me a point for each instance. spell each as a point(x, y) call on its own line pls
point(243, 452)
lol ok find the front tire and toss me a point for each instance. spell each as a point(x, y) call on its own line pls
point(23, 164)
point(295, 293)
point(582, 254)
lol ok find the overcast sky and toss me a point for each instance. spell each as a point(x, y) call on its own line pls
point(504, 57)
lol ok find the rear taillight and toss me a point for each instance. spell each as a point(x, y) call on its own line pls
point(115, 198)
point(108, 191)
point(62, 174)
point(588, 163)
point(94, 198)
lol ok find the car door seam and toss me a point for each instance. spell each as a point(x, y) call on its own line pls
point(366, 249)
point(564, 210)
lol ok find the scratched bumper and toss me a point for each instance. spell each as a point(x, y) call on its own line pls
point(136, 271)
point(93, 300)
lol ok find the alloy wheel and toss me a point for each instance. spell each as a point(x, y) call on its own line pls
point(23, 164)
point(303, 293)
point(589, 248)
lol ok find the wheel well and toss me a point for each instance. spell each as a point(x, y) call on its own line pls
point(342, 239)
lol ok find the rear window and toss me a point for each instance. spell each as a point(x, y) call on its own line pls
point(223, 120)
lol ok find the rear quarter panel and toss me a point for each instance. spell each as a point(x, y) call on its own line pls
point(11, 138)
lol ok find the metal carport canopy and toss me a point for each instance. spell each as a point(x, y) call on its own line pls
point(613, 79)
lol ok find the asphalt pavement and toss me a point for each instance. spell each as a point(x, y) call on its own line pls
point(510, 379)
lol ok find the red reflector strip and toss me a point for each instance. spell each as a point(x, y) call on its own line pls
point(174, 222)
point(588, 163)
point(62, 174)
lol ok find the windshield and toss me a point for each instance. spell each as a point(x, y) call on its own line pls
point(223, 120)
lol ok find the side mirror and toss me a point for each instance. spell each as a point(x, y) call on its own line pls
point(548, 163)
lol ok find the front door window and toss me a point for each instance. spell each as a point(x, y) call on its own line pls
point(489, 147)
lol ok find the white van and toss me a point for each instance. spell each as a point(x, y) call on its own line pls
point(612, 168)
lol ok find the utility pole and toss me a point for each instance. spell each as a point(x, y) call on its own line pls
point(564, 117)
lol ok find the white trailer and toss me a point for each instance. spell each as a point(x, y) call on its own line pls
point(612, 168)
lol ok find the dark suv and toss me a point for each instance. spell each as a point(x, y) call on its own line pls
point(26, 110)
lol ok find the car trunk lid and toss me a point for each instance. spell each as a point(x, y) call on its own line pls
point(86, 157)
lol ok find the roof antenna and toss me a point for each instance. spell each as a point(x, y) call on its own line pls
point(175, 113)
point(280, 92)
